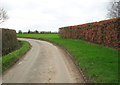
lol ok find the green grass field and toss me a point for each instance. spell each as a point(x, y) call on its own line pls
point(99, 64)
point(9, 59)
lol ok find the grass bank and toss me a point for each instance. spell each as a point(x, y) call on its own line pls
point(99, 64)
point(9, 59)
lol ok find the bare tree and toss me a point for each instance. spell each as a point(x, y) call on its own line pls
point(3, 15)
point(36, 32)
point(114, 9)
point(29, 31)
point(20, 31)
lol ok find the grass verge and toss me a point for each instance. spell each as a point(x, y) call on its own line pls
point(99, 64)
point(9, 59)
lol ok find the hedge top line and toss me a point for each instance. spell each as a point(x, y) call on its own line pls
point(8, 29)
point(94, 23)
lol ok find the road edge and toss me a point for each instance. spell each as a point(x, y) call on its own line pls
point(18, 59)
point(69, 55)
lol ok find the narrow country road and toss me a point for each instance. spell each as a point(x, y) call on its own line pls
point(43, 63)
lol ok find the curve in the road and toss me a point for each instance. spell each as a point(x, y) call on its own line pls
point(44, 63)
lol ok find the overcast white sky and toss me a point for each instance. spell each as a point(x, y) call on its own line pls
point(49, 15)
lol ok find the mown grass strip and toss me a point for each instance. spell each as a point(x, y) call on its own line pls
point(9, 59)
point(99, 64)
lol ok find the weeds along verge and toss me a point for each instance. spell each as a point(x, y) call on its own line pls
point(11, 58)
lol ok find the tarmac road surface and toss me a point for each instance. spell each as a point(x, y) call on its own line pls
point(43, 63)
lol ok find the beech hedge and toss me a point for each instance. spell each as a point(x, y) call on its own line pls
point(105, 32)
